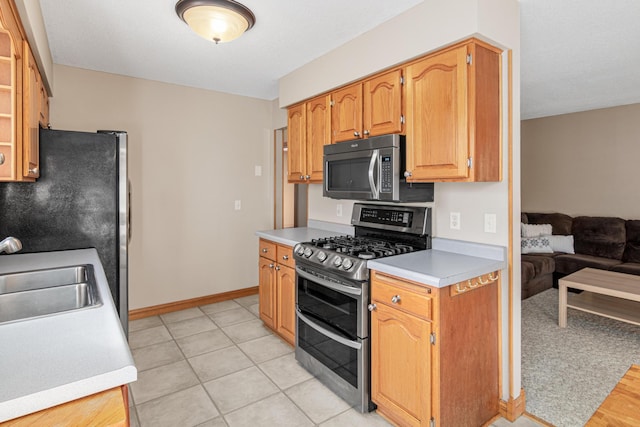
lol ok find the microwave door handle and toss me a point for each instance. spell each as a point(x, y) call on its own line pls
point(372, 182)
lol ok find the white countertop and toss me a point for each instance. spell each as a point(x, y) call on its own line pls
point(318, 229)
point(449, 262)
point(55, 359)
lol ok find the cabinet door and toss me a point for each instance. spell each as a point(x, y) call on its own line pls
point(401, 366)
point(267, 291)
point(346, 113)
point(296, 151)
point(286, 303)
point(318, 134)
point(10, 93)
point(437, 117)
point(31, 116)
point(383, 104)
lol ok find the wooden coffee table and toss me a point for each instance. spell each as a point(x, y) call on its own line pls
point(607, 293)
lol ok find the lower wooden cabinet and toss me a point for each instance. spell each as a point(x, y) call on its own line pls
point(277, 289)
point(434, 352)
point(401, 366)
point(109, 408)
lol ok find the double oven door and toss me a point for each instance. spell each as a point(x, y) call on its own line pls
point(332, 333)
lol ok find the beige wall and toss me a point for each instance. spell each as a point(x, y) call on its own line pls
point(583, 163)
point(192, 153)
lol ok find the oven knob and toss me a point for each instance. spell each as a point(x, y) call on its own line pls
point(347, 264)
point(308, 252)
point(337, 262)
point(322, 256)
point(299, 250)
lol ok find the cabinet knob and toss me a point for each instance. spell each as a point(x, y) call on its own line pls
point(356, 134)
point(265, 250)
point(307, 177)
point(1, 158)
point(34, 171)
point(301, 176)
point(270, 265)
point(366, 132)
point(277, 268)
point(372, 307)
point(407, 174)
point(395, 299)
point(285, 257)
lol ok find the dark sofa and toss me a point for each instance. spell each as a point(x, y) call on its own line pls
point(606, 243)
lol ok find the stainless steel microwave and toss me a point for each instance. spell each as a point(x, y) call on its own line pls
point(371, 169)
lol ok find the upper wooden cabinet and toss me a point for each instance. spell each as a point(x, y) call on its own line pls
point(447, 103)
point(369, 108)
point(24, 102)
point(346, 113)
point(309, 130)
point(31, 115)
point(453, 115)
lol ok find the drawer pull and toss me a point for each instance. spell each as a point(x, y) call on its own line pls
point(395, 299)
point(372, 307)
point(270, 265)
point(264, 250)
point(1, 158)
point(285, 257)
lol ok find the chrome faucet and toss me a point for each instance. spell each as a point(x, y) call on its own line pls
point(10, 245)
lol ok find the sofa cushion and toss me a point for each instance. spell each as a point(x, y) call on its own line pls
point(570, 263)
point(599, 236)
point(560, 223)
point(527, 271)
point(541, 264)
point(632, 249)
point(627, 267)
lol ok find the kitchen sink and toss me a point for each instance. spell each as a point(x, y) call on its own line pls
point(30, 294)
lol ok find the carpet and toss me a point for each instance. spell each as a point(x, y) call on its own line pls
point(567, 373)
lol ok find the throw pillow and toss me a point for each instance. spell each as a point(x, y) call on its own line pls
point(535, 230)
point(536, 245)
point(561, 244)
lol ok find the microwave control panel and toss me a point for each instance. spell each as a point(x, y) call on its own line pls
point(386, 174)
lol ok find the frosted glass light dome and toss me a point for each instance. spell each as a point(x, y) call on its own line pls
point(216, 20)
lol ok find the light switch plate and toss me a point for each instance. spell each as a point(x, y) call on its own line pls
point(238, 205)
point(490, 223)
point(258, 170)
point(339, 209)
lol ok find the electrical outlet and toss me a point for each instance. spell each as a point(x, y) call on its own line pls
point(238, 205)
point(258, 170)
point(490, 221)
point(339, 209)
point(454, 220)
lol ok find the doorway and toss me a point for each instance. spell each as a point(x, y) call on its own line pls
point(290, 200)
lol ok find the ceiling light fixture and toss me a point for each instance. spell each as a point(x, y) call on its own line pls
point(217, 20)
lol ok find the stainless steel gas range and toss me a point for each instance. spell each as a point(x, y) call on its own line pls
point(332, 294)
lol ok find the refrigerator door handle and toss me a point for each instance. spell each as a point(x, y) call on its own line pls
point(128, 211)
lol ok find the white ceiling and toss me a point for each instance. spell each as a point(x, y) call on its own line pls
point(576, 54)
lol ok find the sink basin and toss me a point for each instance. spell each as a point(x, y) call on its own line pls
point(30, 294)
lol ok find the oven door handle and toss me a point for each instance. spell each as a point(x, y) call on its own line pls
point(372, 182)
point(335, 286)
point(328, 333)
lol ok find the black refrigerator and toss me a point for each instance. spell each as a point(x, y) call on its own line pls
point(80, 200)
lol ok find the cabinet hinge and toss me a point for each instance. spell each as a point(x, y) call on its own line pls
point(332, 103)
point(469, 59)
point(470, 162)
point(432, 422)
point(402, 80)
point(432, 338)
point(402, 119)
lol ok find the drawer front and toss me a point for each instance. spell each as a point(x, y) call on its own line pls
point(401, 298)
point(285, 256)
point(267, 249)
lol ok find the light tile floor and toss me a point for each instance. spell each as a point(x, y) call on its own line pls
point(217, 365)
